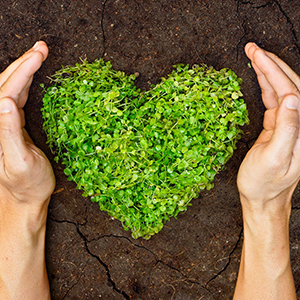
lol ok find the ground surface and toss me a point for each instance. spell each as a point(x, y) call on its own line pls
point(89, 255)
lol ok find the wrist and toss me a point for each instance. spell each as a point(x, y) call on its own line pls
point(22, 236)
point(260, 207)
point(266, 237)
point(29, 217)
point(266, 221)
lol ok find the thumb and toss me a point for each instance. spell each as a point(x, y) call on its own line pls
point(12, 141)
point(286, 131)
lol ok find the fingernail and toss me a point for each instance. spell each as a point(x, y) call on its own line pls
point(5, 107)
point(36, 46)
point(292, 103)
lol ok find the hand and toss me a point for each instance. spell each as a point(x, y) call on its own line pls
point(25, 173)
point(26, 183)
point(266, 181)
point(271, 169)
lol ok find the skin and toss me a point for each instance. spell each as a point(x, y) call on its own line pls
point(26, 183)
point(266, 181)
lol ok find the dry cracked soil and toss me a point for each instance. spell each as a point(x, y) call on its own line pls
point(89, 255)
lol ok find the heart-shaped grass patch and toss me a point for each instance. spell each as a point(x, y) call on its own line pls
point(143, 155)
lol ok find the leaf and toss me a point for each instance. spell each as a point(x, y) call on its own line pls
point(143, 155)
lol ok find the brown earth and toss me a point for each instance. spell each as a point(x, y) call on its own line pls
point(89, 255)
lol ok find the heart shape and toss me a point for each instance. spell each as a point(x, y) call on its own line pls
point(143, 155)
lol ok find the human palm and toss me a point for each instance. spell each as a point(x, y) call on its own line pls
point(25, 172)
point(272, 167)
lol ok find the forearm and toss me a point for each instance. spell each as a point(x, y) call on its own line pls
point(23, 272)
point(265, 270)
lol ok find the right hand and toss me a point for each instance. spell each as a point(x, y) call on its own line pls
point(271, 169)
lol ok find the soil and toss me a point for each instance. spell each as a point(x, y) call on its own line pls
point(196, 256)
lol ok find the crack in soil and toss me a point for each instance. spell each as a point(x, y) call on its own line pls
point(86, 241)
point(240, 40)
point(243, 25)
point(253, 4)
point(152, 253)
point(277, 3)
point(228, 262)
point(158, 261)
point(289, 21)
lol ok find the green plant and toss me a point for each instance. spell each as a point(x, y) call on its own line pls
point(143, 155)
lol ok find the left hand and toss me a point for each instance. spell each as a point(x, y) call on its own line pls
point(26, 183)
point(25, 173)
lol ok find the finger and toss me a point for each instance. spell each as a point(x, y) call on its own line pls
point(39, 46)
point(270, 119)
point(12, 141)
point(24, 94)
point(269, 86)
point(22, 117)
point(268, 94)
point(286, 133)
point(285, 68)
point(264, 137)
point(278, 80)
point(269, 126)
point(250, 48)
point(18, 80)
